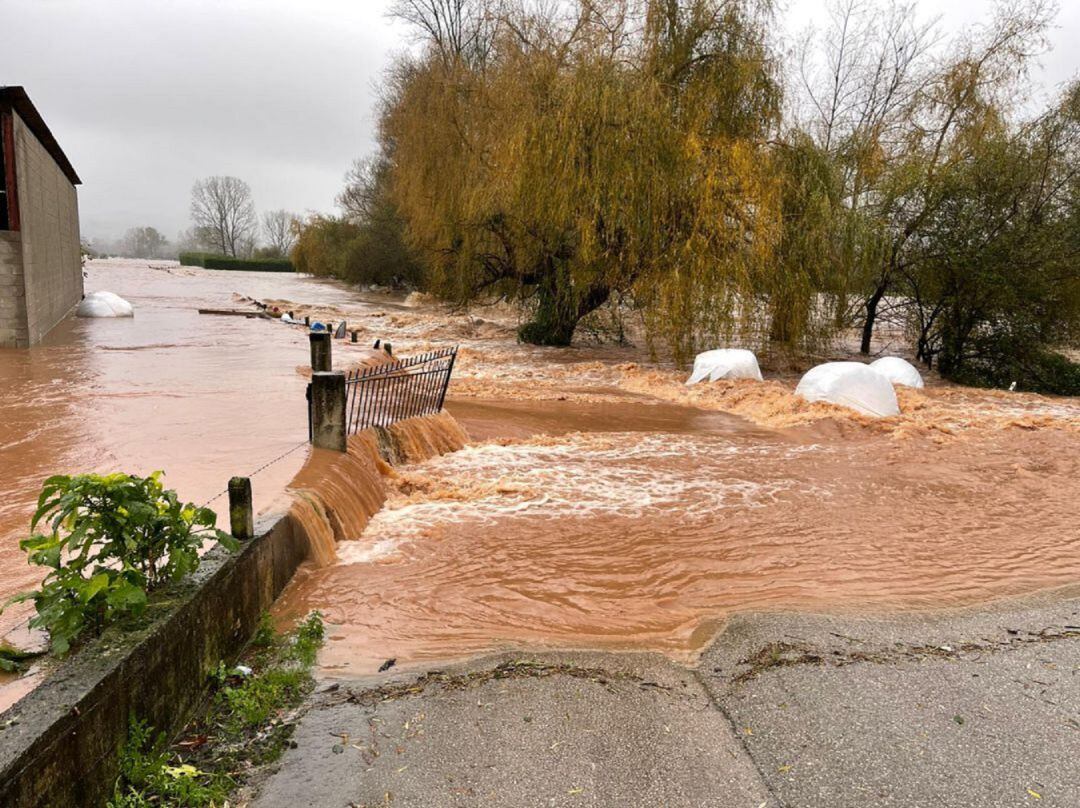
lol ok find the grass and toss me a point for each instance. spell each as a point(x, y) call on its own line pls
point(247, 724)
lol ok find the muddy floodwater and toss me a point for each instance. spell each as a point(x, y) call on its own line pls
point(200, 397)
point(602, 503)
point(599, 503)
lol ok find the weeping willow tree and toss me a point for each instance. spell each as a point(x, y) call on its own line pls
point(567, 153)
point(561, 153)
point(711, 67)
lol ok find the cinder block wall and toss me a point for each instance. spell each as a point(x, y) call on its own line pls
point(51, 261)
point(13, 333)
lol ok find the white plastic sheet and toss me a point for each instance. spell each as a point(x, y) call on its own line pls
point(898, 371)
point(850, 384)
point(725, 363)
point(104, 304)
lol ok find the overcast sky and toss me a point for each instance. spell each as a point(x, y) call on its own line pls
point(146, 96)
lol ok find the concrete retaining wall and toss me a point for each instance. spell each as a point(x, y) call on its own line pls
point(60, 745)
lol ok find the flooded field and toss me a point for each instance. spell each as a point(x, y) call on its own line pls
point(201, 397)
point(600, 502)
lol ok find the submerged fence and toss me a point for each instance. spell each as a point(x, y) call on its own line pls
point(379, 395)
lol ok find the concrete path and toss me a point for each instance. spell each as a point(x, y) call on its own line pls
point(783, 710)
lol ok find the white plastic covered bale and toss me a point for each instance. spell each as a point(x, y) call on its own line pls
point(850, 384)
point(898, 371)
point(725, 363)
point(104, 304)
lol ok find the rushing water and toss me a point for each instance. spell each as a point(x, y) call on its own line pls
point(640, 539)
point(601, 502)
point(605, 504)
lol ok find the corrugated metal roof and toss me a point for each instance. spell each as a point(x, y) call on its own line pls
point(16, 98)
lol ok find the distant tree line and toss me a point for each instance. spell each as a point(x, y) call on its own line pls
point(137, 242)
point(224, 223)
point(662, 154)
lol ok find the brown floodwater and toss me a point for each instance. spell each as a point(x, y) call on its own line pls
point(602, 503)
point(200, 397)
point(640, 530)
point(599, 503)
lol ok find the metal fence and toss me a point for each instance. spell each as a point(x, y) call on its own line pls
point(379, 395)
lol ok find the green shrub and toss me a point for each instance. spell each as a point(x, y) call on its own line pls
point(192, 259)
point(373, 252)
point(254, 701)
point(307, 639)
point(999, 361)
point(265, 636)
point(211, 261)
point(242, 729)
point(111, 540)
point(281, 682)
point(147, 777)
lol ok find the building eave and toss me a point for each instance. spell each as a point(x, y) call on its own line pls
point(15, 99)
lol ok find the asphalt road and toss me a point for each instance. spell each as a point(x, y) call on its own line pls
point(977, 708)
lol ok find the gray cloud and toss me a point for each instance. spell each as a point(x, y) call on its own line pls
point(146, 96)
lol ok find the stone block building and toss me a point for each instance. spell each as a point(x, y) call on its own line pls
point(40, 258)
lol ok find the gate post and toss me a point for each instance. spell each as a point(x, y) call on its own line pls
point(321, 360)
point(328, 410)
point(241, 513)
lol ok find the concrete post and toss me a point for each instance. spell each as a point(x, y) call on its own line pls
point(355, 334)
point(321, 360)
point(328, 410)
point(241, 513)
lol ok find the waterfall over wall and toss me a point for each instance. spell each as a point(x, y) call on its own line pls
point(336, 494)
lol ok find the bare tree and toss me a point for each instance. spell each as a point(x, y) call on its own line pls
point(224, 214)
point(354, 199)
point(456, 29)
point(279, 227)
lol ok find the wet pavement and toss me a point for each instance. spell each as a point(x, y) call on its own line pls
point(956, 709)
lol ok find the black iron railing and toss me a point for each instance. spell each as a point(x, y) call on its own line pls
point(379, 395)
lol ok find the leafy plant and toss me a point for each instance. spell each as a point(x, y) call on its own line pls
point(149, 777)
point(264, 634)
point(255, 701)
point(307, 639)
point(111, 540)
point(281, 682)
point(246, 726)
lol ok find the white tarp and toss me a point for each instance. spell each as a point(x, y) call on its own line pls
point(104, 304)
point(725, 363)
point(850, 384)
point(898, 371)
